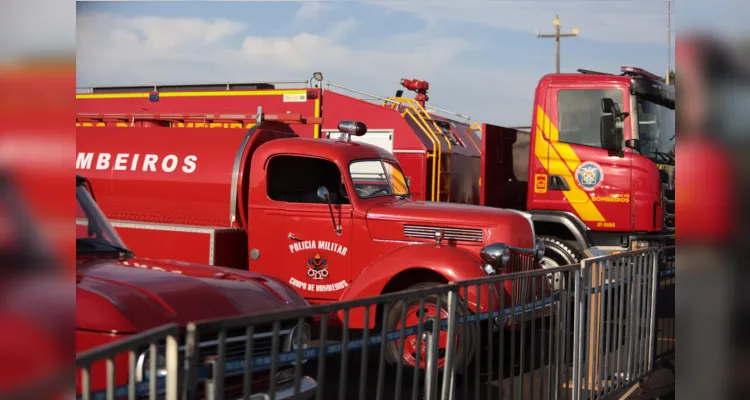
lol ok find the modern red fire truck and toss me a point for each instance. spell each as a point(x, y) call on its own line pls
point(332, 217)
point(599, 178)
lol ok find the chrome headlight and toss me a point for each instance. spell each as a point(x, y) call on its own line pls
point(496, 255)
point(143, 365)
point(294, 337)
point(539, 249)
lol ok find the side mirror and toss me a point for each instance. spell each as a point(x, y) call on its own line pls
point(323, 194)
point(609, 132)
point(633, 144)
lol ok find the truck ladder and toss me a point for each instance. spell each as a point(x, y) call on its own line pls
point(441, 158)
point(441, 165)
point(199, 120)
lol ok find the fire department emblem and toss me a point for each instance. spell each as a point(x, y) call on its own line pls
point(317, 268)
point(589, 175)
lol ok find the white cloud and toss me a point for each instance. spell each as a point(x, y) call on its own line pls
point(641, 21)
point(114, 49)
point(311, 10)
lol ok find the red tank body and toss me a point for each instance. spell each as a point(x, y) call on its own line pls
point(415, 135)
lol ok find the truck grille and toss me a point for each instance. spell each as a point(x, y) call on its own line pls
point(450, 234)
point(235, 345)
point(525, 289)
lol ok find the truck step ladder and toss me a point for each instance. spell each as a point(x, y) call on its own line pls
point(442, 147)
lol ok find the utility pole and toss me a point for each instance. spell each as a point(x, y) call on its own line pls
point(557, 37)
point(669, 41)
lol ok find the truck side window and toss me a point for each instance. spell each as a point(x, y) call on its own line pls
point(295, 179)
point(579, 112)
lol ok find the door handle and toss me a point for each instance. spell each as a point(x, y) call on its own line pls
point(292, 237)
point(558, 183)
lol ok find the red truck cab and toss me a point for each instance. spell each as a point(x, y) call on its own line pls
point(597, 168)
point(118, 295)
point(331, 217)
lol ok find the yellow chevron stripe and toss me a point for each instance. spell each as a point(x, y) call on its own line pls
point(564, 167)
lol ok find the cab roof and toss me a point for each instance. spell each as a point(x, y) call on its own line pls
point(337, 150)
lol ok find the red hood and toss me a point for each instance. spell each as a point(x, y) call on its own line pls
point(138, 294)
point(500, 225)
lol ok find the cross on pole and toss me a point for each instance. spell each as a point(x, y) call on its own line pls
point(557, 35)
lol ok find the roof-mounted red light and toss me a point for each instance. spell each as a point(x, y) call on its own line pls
point(312, 94)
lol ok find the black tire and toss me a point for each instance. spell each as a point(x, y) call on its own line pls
point(556, 254)
point(466, 344)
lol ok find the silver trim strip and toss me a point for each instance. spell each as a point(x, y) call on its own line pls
point(410, 151)
point(173, 228)
point(236, 173)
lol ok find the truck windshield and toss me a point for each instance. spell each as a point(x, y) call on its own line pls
point(94, 233)
point(376, 178)
point(656, 131)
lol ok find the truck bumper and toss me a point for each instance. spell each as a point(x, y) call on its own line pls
point(644, 241)
point(286, 391)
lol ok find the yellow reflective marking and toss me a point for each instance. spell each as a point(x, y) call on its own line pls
point(555, 165)
point(189, 94)
point(316, 129)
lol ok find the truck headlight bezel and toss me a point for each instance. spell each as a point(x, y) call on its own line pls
point(142, 365)
point(539, 249)
point(495, 255)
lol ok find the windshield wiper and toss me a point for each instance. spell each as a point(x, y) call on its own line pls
point(102, 246)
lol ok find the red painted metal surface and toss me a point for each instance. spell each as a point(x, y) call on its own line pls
point(116, 298)
point(519, 164)
point(371, 250)
point(411, 139)
point(592, 205)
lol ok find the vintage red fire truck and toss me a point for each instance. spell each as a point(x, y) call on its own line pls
point(118, 295)
point(334, 218)
point(584, 192)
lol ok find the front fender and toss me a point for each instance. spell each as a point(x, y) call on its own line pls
point(450, 263)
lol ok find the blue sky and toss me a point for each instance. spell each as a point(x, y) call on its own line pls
point(482, 58)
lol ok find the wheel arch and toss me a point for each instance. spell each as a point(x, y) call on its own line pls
point(404, 267)
point(563, 225)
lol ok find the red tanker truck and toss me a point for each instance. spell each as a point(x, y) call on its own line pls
point(334, 218)
point(118, 295)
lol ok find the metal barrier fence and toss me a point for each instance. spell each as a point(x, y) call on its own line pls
point(501, 336)
point(134, 360)
point(614, 328)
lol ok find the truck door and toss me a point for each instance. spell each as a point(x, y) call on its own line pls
point(315, 259)
point(597, 184)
